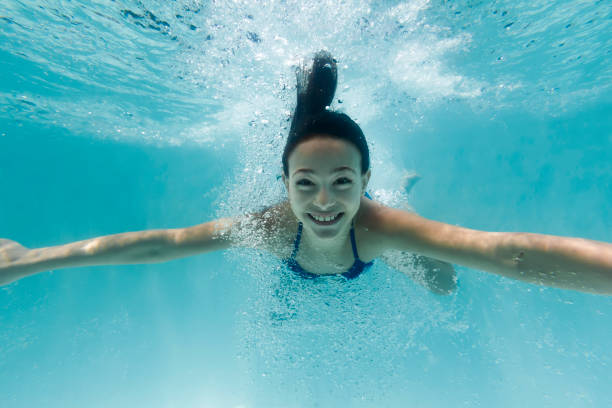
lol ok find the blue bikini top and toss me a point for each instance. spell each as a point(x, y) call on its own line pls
point(354, 271)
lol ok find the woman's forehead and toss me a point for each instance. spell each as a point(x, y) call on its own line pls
point(324, 153)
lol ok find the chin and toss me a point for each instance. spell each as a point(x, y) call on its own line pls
point(326, 233)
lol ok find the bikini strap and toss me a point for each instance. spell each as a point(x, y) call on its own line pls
point(296, 243)
point(353, 244)
point(298, 238)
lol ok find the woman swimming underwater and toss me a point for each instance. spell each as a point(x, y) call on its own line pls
point(329, 226)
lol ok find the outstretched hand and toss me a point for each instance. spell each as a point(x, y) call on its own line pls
point(11, 253)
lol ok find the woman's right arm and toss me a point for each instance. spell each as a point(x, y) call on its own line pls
point(139, 247)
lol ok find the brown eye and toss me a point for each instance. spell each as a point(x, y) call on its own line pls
point(344, 180)
point(304, 182)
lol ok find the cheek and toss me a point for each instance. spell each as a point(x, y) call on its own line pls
point(295, 193)
point(297, 199)
point(350, 198)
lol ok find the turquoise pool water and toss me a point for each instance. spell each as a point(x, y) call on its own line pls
point(127, 115)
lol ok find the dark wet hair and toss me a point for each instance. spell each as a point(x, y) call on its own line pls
point(312, 117)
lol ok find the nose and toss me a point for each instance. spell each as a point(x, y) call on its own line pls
point(323, 199)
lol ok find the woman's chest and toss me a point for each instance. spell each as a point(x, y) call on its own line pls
point(321, 262)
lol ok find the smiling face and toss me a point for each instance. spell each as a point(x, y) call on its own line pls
point(325, 184)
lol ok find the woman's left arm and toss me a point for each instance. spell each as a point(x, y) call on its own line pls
point(562, 262)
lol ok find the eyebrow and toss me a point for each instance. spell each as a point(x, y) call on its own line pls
point(336, 170)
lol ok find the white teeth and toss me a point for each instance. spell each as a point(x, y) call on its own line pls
point(324, 219)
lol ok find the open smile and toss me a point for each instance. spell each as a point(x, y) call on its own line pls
point(325, 220)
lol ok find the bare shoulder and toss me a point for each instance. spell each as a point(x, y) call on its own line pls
point(370, 228)
point(376, 219)
point(379, 228)
point(272, 229)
